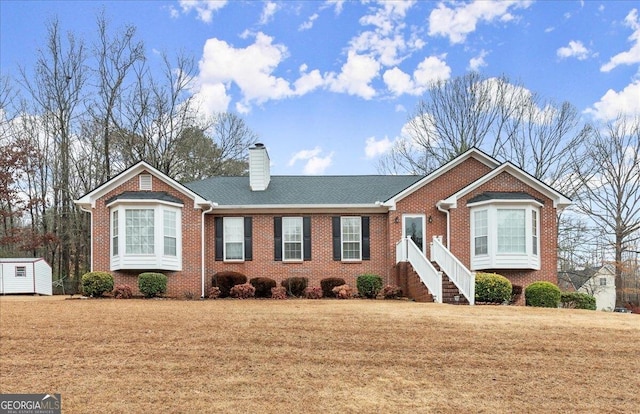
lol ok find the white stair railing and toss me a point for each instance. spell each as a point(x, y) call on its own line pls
point(407, 251)
point(463, 278)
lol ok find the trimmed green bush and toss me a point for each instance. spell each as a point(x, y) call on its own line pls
point(578, 300)
point(263, 286)
point(295, 285)
point(328, 284)
point(369, 285)
point(96, 283)
point(492, 288)
point(542, 295)
point(152, 284)
point(225, 280)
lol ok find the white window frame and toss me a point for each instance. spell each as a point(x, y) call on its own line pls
point(343, 239)
point(132, 248)
point(288, 238)
point(227, 223)
point(483, 235)
point(169, 231)
point(123, 259)
point(495, 259)
point(21, 271)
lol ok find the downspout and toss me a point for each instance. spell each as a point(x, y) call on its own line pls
point(439, 205)
point(202, 255)
point(90, 235)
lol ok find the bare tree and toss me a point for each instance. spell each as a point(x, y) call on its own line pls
point(608, 187)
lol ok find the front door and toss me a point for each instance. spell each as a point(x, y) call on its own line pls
point(413, 226)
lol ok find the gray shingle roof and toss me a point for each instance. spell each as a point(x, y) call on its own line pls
point(304, 190)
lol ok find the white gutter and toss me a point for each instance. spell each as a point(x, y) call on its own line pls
point(91, 235)
point(202, 237)
point(439, 205)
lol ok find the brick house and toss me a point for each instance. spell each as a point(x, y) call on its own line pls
point(427, 234)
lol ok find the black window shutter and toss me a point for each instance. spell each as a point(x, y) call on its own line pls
point(277, 239)
point(248, 247)
point(337, 254)
point(306, 237)
point(219, 231)
point(366, 240)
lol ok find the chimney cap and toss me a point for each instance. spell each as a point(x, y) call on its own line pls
point(258, 145)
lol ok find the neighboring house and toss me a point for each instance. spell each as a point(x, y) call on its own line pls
point(25, 275)
point(596, 281)
point(490, 216)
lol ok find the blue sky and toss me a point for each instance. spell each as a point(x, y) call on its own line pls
point(329, 85)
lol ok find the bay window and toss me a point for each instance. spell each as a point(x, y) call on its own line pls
point(505, 235)
point(145, 235)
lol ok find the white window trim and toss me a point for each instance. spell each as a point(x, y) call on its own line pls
point(148, 261)
point(301, 242)
point(342, 240)
point(225, 239)
point(145, 182)
point(493, 259)
point(424, 228)
point(23, 270)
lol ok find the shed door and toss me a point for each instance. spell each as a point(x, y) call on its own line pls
point(1, 280)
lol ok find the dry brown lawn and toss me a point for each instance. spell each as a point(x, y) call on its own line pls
point(327, 356)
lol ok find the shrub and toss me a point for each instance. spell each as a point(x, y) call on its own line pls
point(343, 292)
point(278, 293)
point(122, 292)
point(492, 288)
point(152, 284)
point(369, 285)
point(263, 286)
point(577, 300)
point(542, 295)
point(214, 292)
point(225, 280)
point(96, 283)
point(313, 293)
point(295, 286)
point(328, 284)
point(516, 292)
point(243, 291)
point(391, 292)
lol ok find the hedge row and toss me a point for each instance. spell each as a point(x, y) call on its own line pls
point(96, 284)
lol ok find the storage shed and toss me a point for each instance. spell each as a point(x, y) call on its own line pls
point(30, 275)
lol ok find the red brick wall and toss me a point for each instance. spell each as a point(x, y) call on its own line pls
point(321, 264)
point(178, 283)
point(460, 239)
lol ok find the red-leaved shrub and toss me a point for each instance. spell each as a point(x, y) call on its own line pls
point(244, 291)
point(343, 292)
point(122, 292)
point(314, 292)
point(391, 292)
point(213, 292)
point(225, 280)
point(278, 293)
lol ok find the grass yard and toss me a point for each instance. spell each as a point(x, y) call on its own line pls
point(327, 356)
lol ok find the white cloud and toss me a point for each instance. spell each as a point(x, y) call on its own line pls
point(575, 49)
point(375, 148)
point(204, 8)
point(212, 98)
point(309, 23)
point(250, 68)
point(400, 108)
point(337, 4)
point(631, 56)
point(431, 69)
point(318, 165)
point(625, 103)
point(478, 62)
point(456, 23)
point(315, 164)
point(356, 76)
point(270, 9)
point(308, 82)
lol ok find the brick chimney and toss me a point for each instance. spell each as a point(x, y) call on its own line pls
point(259, 168)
